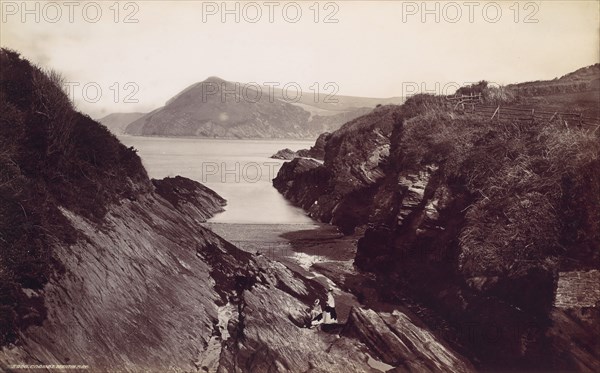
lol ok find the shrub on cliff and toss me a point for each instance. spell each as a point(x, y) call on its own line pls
point(50, 156)
point(473, 89)
point(534, 186)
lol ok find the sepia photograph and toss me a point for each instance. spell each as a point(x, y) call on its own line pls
point(299, 186)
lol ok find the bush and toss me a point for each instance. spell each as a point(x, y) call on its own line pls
point(518, 174)
point(473, 89)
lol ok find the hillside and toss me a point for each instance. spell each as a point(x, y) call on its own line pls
point(578, 91)
point(209, 109)
point(474, 219)
point(117, 122)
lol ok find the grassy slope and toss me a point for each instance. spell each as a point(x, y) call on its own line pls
point(535, 186)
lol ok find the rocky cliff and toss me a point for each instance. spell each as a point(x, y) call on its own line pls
point(102, 267)
point(473, 219)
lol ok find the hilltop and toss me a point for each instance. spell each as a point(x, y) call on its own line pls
point(219, 108)
point(577, 91)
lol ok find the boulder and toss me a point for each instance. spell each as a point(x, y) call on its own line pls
point(286, 154)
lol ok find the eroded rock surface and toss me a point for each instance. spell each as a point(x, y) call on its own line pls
point(400, 343)
point(452, 218)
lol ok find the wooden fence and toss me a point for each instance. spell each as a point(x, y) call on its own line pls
point(474, 104)
point(463, 100)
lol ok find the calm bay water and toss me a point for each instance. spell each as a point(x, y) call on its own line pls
point(238, 170)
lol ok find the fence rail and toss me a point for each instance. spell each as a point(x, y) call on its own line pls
point(465, 99)
point(474, 104)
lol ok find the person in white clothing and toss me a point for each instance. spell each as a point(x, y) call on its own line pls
point(316, 314)
point(329, 314)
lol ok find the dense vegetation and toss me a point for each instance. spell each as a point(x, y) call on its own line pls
point(535, 186)
point(471, 217)
point(50, 157)
point(518, 202)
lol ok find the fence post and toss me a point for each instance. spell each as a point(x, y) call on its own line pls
point(496, 111)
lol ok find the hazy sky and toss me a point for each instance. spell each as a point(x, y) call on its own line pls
point(374, 49)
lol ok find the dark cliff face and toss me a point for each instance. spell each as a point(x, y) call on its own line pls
point(74, 204)
point(316, 151)
point(469, 217)
point(51, 157)
point(340, 191)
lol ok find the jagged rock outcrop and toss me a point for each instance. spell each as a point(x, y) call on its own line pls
point(190, 197)
point(317, 151)
point(303, 181)
point(136, 295)
point(341, 189)
point(398, 342)
point(287, 154)
point(464, 216)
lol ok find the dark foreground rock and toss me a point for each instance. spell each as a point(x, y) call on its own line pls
point(317, 151)
point(398, 342)
point(286, 154)
point(451, 219)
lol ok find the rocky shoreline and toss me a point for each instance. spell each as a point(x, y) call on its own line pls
point(415, 194)
point(325, 255)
